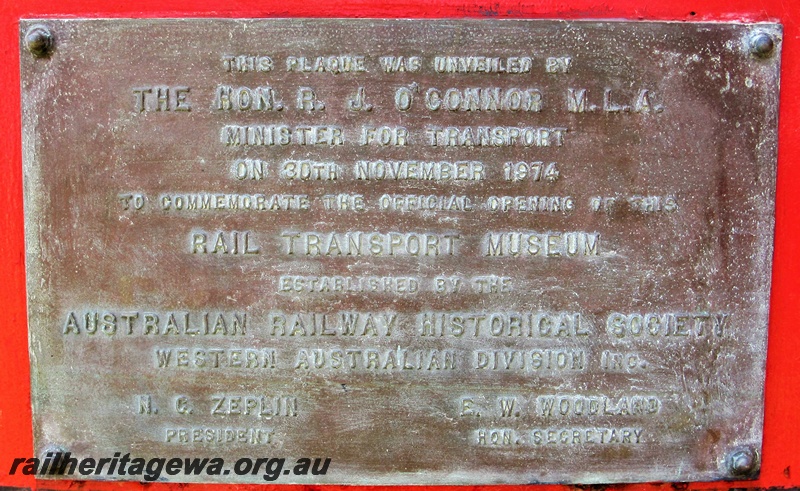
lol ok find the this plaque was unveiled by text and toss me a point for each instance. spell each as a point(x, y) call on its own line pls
point(399, 251)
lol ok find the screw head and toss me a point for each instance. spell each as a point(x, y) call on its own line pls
point(761, 44)
point(743, 462)
point(39, 40)
point(51, 451)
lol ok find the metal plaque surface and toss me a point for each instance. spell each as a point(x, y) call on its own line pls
point(446, 251)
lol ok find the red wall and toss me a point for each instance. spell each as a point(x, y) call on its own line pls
point(781, 452)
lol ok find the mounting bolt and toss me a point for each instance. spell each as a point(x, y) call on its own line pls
point(743, 462)
point(40, 41)
point(761, 44)
point(51, 452)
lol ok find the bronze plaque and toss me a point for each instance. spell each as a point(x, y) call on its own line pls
point(432, 251)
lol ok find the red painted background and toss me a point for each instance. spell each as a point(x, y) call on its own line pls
point(781, 451)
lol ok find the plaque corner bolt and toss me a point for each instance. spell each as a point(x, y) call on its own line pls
point(50, 451)
point(40, 41)
point(761, 44)
point(743, 462)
